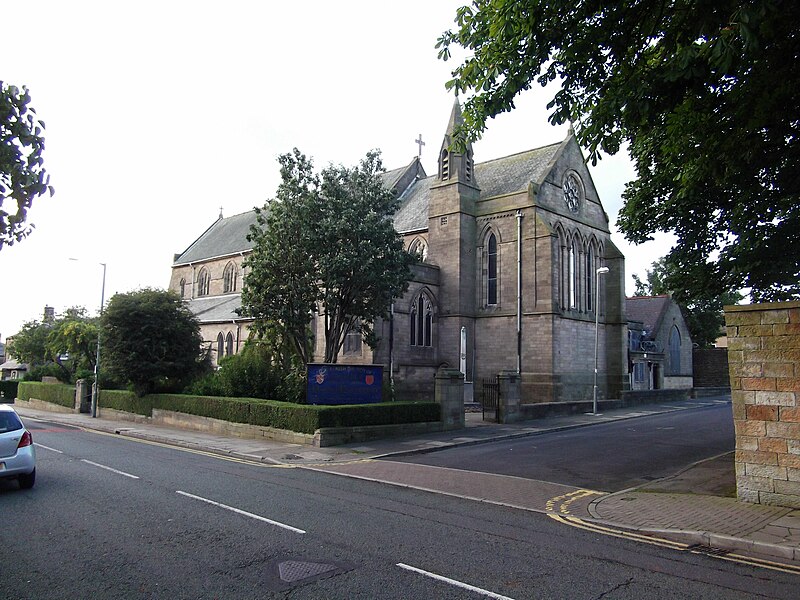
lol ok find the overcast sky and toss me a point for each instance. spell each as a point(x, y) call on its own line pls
point(159, 113)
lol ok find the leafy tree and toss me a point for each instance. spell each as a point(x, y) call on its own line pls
point(151, 341)
point(22, 174)
point(704, 315)
point(704, 92)
point(29, 345)
point(325, 245)
point(72, 334)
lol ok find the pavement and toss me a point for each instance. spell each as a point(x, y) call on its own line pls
point(694, 510)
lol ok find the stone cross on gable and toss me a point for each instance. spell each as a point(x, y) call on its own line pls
point(420, 143)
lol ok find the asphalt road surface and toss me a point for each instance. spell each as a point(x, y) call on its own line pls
point(607, 457)
point(112, 517)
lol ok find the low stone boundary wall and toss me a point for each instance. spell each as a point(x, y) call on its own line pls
point(42, 405)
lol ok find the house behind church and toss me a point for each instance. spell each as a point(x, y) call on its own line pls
point(511, 250)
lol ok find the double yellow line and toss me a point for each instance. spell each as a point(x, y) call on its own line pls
point(664, 543)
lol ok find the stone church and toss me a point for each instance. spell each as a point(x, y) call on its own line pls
point(509, 280)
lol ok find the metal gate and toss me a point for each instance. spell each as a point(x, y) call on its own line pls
point(490, 398)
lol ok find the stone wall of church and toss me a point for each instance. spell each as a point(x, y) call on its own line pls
point(216, 269)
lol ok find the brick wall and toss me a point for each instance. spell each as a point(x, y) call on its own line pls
point(710, 367)
point(764, 365)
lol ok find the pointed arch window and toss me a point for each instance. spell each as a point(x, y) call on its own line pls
point(491, 270)
point(183, 287)
point(589, 278)
point(220, 347)
point(230, 278)
point(229, 344)
point(352, 339)
point(675, 350)
point(420, 248)
point(421, 331)
point(573, 275)
point(444, 165)
point(203, 282)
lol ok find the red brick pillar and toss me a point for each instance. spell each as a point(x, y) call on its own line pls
point(764, 364)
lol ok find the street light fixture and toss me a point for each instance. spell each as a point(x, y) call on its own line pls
point(600, 271)
point(96, 385)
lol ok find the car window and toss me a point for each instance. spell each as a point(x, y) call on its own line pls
point(9, 422)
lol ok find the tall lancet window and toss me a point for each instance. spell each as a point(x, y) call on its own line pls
point(491, 271)
point(421, 330)
point(444, 165)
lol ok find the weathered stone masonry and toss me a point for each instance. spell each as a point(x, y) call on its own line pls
point(764, 362)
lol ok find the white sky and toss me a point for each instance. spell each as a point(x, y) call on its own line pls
point(159, 113)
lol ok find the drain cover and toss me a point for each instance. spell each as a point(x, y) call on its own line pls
point(292, 571)
point(287, 573)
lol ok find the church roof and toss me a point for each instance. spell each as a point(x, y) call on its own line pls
point(506, 175)
point(215, 309)
point(225, 237)
point(649, 310)
point(497, 177)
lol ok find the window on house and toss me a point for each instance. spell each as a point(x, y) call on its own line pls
point(230, 277)
point(421, 322)
point(352, 339)
point(675, 350)
point(183, 287)
point(491, 273)
point(203, 283)
point(229, 344)
point(220, 347)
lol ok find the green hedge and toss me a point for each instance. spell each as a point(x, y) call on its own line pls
point(302, 418)
point(8, 391)
point(56, 393)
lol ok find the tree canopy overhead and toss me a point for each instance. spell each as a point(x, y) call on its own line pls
point(703, 91)
point(325, 245)
point(22, 173)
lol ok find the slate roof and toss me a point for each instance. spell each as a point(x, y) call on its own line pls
point(648, 310)
point(226, 236)
point(497, 177)
point(215, 309)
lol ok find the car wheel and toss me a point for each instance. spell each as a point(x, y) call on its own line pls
point(26, 481)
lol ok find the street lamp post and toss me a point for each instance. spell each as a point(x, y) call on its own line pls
point(96, 386)
point(600, 271)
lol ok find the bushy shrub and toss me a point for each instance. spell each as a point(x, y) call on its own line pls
point(8, 391)
point(47, 370)
point(253, 374)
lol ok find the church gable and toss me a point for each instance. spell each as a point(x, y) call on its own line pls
point(566, 188)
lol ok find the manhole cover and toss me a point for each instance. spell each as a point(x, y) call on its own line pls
point(287, 573)
point(291, 571)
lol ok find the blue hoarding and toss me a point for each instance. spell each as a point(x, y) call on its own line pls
point(344, 384)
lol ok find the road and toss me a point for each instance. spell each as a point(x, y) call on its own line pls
point(112, 517)
point(608, 457)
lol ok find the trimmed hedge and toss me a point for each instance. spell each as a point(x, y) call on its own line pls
point(302, 418)
point(55, 393)
point(8, 391)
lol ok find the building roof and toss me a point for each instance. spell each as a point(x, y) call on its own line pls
point(649, 310)
point(215, 309)
point(225, 237)
point(498, 177)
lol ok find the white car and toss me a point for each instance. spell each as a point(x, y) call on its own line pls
point(17, 455)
